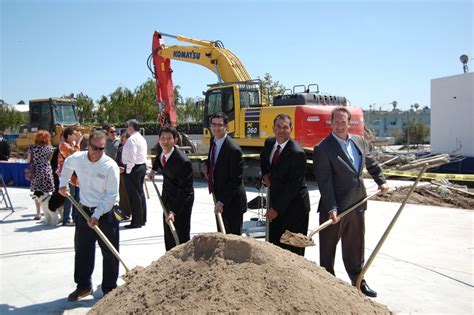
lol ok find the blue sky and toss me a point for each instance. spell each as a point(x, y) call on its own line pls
point(372, 52)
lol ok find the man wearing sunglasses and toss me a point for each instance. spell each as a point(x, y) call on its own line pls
point(98, 178)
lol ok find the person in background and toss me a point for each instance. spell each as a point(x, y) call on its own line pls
point(224, 172)
point(98, 178)
point(178, 191)
point(84, 142)
point(283, 165)
point(39, 157)
point(338, 164)
point(124, 204)
point(112, 143)
point(67, 147)
point(134, 156)
point(5, 149)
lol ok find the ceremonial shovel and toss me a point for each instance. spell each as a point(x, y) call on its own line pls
point(300, 240)
point(98, 231)
point(165, 212)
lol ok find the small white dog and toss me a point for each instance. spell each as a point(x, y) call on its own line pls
point(53, 214)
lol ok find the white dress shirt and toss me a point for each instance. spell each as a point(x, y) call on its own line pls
point(134, 151)
point(98, 181)
point(167, 156)
point(282, 146)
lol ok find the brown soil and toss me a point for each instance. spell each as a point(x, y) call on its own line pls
point(432, 196)
point(230, 274)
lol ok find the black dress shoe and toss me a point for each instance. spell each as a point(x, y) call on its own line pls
point(132, 226)
point(79, 294)
point(364, 288)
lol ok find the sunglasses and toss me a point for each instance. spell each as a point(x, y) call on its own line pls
point(112, 131)
point(96, 148)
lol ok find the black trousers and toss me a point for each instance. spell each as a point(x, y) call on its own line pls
point(182, 225)
point(232, 222)
point(84, 244)
point(294, 221)
point(136, 195)
point(350, 230)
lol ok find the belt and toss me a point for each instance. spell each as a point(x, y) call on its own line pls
point(88, 209)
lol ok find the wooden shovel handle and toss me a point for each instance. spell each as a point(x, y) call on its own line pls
point(165, 212)
point(352, 208)
point(220, 221)
point(98, 231)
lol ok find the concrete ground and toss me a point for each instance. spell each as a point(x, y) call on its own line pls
point(425, 266)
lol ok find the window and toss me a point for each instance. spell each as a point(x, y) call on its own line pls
point(64, 114)
point(249, 99)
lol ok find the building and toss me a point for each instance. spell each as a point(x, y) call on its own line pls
point(452, 115)
point(386, 124)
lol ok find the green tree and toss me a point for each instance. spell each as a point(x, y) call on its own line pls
point(414, 133)
point(84, 107)
point(270, 88)
point(10, 118)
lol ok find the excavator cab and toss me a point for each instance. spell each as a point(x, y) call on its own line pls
point(230, 98)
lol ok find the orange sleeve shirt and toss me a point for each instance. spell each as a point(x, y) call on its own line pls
point(65, 150)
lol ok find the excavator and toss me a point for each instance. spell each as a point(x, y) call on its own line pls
point(241, 97)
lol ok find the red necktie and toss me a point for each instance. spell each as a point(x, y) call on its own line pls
point(210, 173)
point(163, 160)
point(276, 155)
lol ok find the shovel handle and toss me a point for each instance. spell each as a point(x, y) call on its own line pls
point(98, 231)
point(165, 212)
point(352, 208)
point(389, 228)
point(267, 222)
point(219, 216)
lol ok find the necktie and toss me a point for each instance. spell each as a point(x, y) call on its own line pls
point(210, 173)
point(276, 155)
point(163, 160)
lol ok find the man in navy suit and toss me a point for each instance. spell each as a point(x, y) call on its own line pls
point(224, 171)
point(283, 165)
point(338, 164)
point(178, 191)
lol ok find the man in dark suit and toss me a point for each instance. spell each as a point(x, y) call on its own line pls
point(283, 165)
point(178, 191)
point(338, 164)
point(224, 171)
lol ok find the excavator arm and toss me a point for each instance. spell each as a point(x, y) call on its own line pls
point(210, 54)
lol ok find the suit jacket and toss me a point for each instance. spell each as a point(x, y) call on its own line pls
point(339, 183)
point(288, 191)
point(228, 178)
point(178, 191)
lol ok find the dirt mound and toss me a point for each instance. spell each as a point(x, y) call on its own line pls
point(432, 196)
point(231, 274)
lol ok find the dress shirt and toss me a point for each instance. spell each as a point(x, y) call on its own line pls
point(98, 181)
point(134, 151)
point(218, 144)
point(350, 149)
point(282, 146)
point(167, 156)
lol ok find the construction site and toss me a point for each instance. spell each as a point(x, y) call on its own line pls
point(418, 235)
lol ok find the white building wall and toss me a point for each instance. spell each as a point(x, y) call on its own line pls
point(452, 114)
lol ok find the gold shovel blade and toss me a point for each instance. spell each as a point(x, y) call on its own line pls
point(296, 239)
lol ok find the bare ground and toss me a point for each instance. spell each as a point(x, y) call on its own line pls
point(432, 196)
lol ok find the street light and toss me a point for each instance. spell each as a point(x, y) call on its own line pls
point(408, 128)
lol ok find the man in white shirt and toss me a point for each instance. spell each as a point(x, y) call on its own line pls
point(98, 178)
point(134, 156)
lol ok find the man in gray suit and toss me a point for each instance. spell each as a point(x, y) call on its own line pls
point(338, 164)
